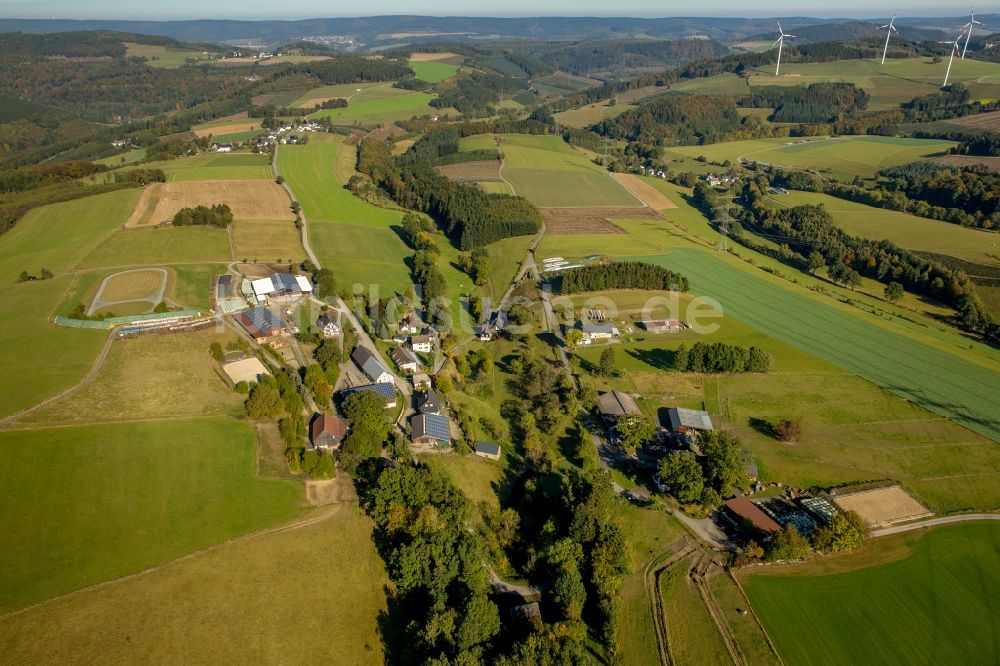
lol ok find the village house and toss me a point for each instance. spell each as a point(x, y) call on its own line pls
point(683, 420)
point(327, 432)
point(328, 326)
point(422, 343)
point(430, 430)
point(371, 366)
point(222, 147)
point(404, 360)
point(384, 389)
point(489, 450)
point(597, 331)
point(429, 402)
point(261, 324)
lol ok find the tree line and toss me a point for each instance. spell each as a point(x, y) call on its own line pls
point(621, 275)
point(719, 357)
point(815, 241)
point(470, 216)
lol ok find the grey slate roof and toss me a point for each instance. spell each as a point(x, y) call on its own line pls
point(429, 402)
point(689, 418)
point(368, 363)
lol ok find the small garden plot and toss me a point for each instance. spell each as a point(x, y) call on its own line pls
point(883, 506)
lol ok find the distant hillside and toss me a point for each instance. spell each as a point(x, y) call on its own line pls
point(827, 32)
point(622, 57)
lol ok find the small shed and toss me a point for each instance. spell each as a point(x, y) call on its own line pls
point(489, 450)
point(683, 420)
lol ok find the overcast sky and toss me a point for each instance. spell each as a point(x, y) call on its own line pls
point(269, 9)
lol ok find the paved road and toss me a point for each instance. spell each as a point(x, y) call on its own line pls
point(934, 522)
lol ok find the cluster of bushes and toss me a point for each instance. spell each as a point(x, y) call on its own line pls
point(621, 275)
point(708, 478)
point(25, 276)
point(219, 215)
point(141, 176)
point(720, 357)
point(28, 178)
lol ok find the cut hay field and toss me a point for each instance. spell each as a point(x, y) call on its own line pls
point(248, 199)
point(151, 377)
point(645, 192)
point(267, 240)
point(219, 129)
point(889, 85)
point(378, 111)
point(920, 597)
point(432, 71)
point(38, 358)
point(905, 230)
point(838, 157)
point(161, 246)
point(123, 507)
point(231, 604)
point(354, 239)
point(944, 383)
point(550, 173)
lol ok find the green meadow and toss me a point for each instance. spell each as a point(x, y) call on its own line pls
point(838, 157)
point(130, 496)
point(354, 91)
point(168, 245)
point(905, 230)
point(433, 71)
point(920, 597)
point(354, 239)
point(216, 166)
point(379, 111)
point(39, 358)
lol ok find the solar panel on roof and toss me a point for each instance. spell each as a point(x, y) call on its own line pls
point(437, 426)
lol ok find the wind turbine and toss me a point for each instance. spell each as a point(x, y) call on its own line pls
point(969, 26)
point(889, 29)
point(780, 41)
point(951, 59)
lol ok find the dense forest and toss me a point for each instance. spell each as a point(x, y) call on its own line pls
point(475, 93)
point(621, 275)
point(620, 56)
point(688, 120)
point(815, 103)
point(472, 217)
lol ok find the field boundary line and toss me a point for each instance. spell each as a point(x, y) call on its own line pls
point(305, 522)
point(934, 522)
point(767, 636)
point(87, 378)
point(698, 578)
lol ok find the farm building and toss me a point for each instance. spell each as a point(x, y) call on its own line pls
point(384, 389)
point(421, 381)
point(371, 366)
point(430, 430)
point(422, 343)
point(247, 370)
point(599, 331)
point(614, 404)
point(429, 402)
point(327, 324)
point(404, 359)
point(664, 325)
point(280, 285)
point(227, 298)
point(743, 509)
point(685, 420)
point(489, 450)
point(327, 432)
point(261, 324)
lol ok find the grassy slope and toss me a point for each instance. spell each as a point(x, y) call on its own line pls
point(351, 237)
point(433, 72)
point(140, 247)
point(907, 231)
point(912, 598)
point(38, 358)
point(267, 240)
point(840, 157)
point(372, 111)
point(311, 595)
point(691, 634)
point(130, 496)
point(549, 172)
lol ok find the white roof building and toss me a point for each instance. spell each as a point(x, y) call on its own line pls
point(280, 284)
